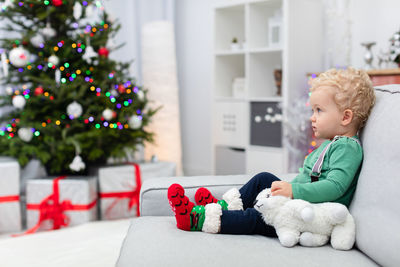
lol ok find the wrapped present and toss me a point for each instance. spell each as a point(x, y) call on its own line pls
point(120, 187)
point(60, 202)
point(10, 210)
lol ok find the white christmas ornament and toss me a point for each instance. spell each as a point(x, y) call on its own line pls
point(135, 122)
point(9, 90)
point(4, 64)
point(77, 10)
point(25, 134)
point(7, 4)
point(89, 10)
point(74, 109)
point(89, 54)
point(53, 60)
point(107, 114)
point(48, 32)
point(19, 101)
point(57, 76)
point(140, 95)
point(19, 57)
point(77, 164)
point(37, 40)
point(114, 92)
point(111, 44)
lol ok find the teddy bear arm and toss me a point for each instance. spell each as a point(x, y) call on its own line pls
point(287, 237)
point(343, 235)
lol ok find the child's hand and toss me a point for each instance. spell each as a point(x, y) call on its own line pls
point(281, 188)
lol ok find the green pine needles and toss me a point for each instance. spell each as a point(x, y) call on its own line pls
point(68, 97)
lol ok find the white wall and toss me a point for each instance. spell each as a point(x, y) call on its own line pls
point(375, 21)
point(194, 41)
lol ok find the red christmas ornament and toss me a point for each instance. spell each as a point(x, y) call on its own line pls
point(57, 2)
point(121, 89)
point(103, 52)
point(38, 90)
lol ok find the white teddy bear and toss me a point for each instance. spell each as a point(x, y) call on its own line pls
point(296, 220)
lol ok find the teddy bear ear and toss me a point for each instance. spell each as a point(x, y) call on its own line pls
point(268, 192)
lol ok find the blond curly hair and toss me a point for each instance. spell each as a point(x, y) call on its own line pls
point(354, 91)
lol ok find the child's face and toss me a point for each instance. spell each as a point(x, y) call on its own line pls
point(326, 118)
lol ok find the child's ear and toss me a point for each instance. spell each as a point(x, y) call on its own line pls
point(347, 117)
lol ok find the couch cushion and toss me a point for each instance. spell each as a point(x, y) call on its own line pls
point(153, 194)
point(155, 241)
point(375, 206)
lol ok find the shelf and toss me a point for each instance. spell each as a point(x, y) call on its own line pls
point(229, 52)
point(231, 4)
point(227, 68)
point(266, 99)
point(229, 99)
point(236, 148)
point(229, 24)
point(260, 14)
point(261, 74)
point(252, 99)
point(247, 105)
point(265, 50)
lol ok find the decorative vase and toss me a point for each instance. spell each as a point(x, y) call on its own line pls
point(368, 56)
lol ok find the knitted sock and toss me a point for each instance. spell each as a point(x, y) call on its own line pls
point(203, 197)
point(188, 217)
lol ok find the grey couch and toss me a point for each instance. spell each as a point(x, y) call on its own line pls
point(154, 240)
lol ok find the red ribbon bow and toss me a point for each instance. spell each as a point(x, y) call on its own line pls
point(50, 208)
point(9, 198)
point(132, 195)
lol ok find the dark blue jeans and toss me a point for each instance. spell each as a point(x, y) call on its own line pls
point(249, 220)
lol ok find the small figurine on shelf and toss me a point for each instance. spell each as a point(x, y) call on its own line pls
point(235, 46)
point(395, 48)
point(278, 81)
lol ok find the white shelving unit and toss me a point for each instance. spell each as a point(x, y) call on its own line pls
point(241, 122)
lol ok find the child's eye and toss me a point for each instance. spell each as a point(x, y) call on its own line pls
point(318, 109)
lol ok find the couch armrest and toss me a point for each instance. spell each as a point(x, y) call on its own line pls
point(153, 194)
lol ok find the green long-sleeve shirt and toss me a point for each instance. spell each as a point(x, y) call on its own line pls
point(339, 173)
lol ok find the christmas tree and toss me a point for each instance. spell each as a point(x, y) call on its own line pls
point(73, 106)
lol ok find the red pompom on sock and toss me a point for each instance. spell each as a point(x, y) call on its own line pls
point(180, 205)
point(203, 197)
